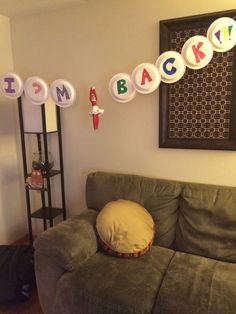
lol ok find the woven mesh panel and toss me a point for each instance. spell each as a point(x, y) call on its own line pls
point(199, 103)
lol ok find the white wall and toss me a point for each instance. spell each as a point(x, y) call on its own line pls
point(12, 214)
point(87, 46)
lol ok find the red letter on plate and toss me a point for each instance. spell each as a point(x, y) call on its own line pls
point(145, 76)
point(197, 52)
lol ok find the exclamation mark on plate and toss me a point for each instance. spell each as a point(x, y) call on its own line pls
point(230, 27)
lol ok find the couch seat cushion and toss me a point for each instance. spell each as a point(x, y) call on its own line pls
point(106, 284)
point(197, 285)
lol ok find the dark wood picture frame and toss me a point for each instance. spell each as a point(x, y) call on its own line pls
point(199, 135)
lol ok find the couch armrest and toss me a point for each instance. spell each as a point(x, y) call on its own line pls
point(71, 242)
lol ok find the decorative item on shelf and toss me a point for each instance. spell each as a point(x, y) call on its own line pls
point(39, 162)
point(96, 111)
point(35, 180)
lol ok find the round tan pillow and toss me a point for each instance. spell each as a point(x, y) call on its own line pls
point(125, 228)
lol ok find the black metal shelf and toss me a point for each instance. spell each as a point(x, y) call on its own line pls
point(47, 212)
point(55, 211)
point(52, 173)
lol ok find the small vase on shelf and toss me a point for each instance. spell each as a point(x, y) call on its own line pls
point(39, 162)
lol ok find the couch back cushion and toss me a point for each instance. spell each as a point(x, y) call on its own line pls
point(159, 197)
point(207, 221)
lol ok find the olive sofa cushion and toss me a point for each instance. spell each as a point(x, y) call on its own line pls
point(125, 228)
point(207, 221)
point(159, 197)
point(111, 285)
point(197, 285)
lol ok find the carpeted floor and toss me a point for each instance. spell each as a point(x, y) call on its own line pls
point(31, 306)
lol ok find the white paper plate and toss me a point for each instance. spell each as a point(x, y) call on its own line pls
point(204, 52)
point(36, 90)
point(11, 85)
point(62, 93)
point(146, 78)
point(222, 34)
point(121, 88)
point(171, 66)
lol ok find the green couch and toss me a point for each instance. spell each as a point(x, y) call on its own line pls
point(190, 269)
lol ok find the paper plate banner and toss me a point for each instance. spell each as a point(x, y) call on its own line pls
point(11, 85)
point(146, 78)
point(36, 89)
point(121, 88)
point(171, 66)
point(63, 93)
point(196, 53)
point(222, 34)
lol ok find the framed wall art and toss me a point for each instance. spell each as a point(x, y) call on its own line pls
point(199, 110)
